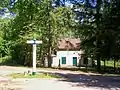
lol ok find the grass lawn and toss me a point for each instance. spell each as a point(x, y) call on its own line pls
point(38, 75)
point(110, 63)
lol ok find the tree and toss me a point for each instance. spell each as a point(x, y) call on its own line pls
point(4, 24)
point(22, 28)
point(55, 22)
point(37, 20)
point(111, 25)
point(99, 31)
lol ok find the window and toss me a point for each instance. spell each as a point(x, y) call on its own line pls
point(63, 60)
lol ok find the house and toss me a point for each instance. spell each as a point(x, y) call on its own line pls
point(69, 54)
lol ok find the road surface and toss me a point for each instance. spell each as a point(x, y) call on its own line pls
point(72, 80)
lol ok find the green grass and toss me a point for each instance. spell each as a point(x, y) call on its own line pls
point(38, 75)
point(110, 63)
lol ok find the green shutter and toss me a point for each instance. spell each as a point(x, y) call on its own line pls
point(63, 60)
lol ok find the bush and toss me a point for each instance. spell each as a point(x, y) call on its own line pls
point(7, 60)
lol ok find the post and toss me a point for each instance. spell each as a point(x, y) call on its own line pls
point(34, 42)
point(34, 59)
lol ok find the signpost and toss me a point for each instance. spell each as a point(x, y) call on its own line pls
point(34, 42)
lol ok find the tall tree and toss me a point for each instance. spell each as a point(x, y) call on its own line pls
point(98, 17)
point(55, 22)
point(99, 31)
point(41, 20)
point(91, 32)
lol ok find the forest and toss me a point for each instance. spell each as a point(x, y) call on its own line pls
point(96, 24)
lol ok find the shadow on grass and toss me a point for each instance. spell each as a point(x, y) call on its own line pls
point(107, 82)
point(109, 70)
point(84, 69)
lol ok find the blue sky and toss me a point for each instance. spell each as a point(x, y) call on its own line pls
point(92, 3)
point(5, 13)
point(68, 3)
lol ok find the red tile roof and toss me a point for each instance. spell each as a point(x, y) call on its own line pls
point(69, 44)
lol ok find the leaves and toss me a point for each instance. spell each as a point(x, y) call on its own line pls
point(4, 3)
point(35, 20)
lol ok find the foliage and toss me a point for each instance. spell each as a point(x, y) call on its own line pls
point(99, 32)
point(98, 29)
point(56, 22)
point(4, 44)
point(4, 3)
point(7, 60)
point(22, 28)
point(34, 20)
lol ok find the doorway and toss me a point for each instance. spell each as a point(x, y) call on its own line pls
point(74, 61)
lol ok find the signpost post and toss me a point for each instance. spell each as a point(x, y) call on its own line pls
point(34, 42)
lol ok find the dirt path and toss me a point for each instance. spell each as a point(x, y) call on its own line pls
point(72, 80)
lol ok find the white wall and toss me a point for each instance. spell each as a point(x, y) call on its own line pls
point(69, 57)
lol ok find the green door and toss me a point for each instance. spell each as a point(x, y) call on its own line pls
point(74, 61)
point(63, 60)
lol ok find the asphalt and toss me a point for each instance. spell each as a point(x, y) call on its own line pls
point(71, 80)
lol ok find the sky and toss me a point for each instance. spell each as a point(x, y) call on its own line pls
point(92, 3)
point(5, 13)
point(68, 3)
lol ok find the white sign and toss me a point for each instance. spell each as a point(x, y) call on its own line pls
point(34, 41)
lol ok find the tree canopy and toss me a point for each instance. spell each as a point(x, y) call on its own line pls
point(98, 29)
point(36, 20)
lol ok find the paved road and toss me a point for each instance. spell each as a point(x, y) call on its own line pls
point(45, 84)
point(72, 81)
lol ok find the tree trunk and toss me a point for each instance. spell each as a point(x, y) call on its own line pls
point(98, 28)
point(59, 66)
point(49, 37)
point(79, 63)
point(114, 65)
point(98, 64)
point(49, 58)
point(49, 46)
point(104, 64)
